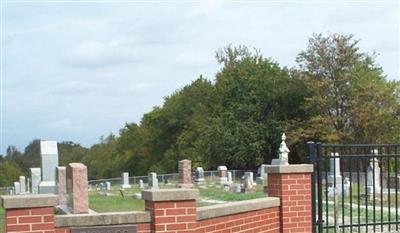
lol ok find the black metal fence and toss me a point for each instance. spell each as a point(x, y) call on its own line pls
point(356, 187)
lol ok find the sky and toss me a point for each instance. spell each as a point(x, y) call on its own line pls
point(74, 71)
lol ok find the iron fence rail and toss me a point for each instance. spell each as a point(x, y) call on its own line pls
point(356, 187)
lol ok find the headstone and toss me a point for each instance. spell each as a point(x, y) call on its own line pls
point(334, 174)
point(103, 188)
point(61, 185)
point(77, 186)
point(153, 181)
point(125, 181)
point(137, 196)
point(251, 175)
point(17, 188)
point(238, 188)
point(141, 185)
point(49, 162)
point(199, 175)
point(108, 185)
point(22, 184)
point(222, 175)
point(246, 183)
point(226, 188)
point(28, 186)
point(229, 177)
point(262, 175)
point(185, 174)
point(373, 180)
point(36, 178)
point(346, 186)
point(283, 153)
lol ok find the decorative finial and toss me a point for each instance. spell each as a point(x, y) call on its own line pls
point(283, 153)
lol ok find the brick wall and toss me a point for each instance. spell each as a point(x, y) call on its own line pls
point(141, 228)
point(35, 220)
point(294, 191)
point(265, 220)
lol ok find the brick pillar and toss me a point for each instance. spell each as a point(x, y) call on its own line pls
point(172, 210)
point(29, 213)
point(292, 184)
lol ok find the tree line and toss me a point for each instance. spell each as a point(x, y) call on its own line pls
point(336, 94)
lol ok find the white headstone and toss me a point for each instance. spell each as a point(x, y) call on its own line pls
point(22, 184)
point(222, 175)
point(35, 179)
point(49, 162)
point(262, 175)
point(283, 153)
point(373, 175)
point(334, 174)
point(153, 181)
point(17, 188)
point(251, 175)
point(199, 175)
point(229, 177)
point(125, 180)
point(108, 185)
point(141, 185)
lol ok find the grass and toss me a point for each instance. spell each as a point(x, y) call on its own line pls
point(1, 220)
point(115, 201)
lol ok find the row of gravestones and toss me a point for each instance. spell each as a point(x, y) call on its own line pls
point(373, 181)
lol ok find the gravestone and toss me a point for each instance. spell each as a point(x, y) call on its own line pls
point(185, 174)
point(199, 175)
point(61, 185)
point(35, 179)
point(28, 186)
point(222, 175)
point(346, 186)
point(246, 183)
point(251, 175)
point(373, 180)
point(22, 184)
point(108, 185)
point(334, 173)
point(262, 175)
point(238, 188)
point(283, 153)
point(49, 162)
point(153, 181)
point(77, 186)
point(103, 188)
point(125, 181)
point(229, 177)
point(141, 185)
point(17, 188)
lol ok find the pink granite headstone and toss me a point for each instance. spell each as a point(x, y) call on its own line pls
point(185, 174)
point(61, 185)
point(77, 188)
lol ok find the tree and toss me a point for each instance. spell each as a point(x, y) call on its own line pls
point(349, 98)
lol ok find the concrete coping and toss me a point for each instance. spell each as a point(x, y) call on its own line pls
point(180, 194)
point(101, 219)
point(28, 201)
point(207, 212)
point(293, 168)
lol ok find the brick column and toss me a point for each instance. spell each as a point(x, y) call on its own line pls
point(172, 210)
point(292, 184)
point(29, 213)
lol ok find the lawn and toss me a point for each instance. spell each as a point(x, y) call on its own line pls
point(1, 220)
point(117, 201)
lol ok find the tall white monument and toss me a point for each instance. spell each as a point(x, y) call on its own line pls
point(373, 175)
point(49, 162)
point(334, 174)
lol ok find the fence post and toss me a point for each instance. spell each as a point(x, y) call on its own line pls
point(171, 210)
point(292, 184)
point(29, 213)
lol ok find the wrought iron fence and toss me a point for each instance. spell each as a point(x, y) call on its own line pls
point(356, 187)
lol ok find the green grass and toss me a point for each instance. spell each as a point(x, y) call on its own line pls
point(115, 202)
point(2, 220)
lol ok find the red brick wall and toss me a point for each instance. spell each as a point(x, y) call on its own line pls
point(265, 220)
point(294, 190)
point(173, 216)
point(35, 220)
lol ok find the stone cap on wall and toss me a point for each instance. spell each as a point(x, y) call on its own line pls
point(218, 210)
point(292, 168)
point(179, 194)
point(98, 219)
point(28, 201)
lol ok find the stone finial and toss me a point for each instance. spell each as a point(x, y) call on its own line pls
point(283, 153)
